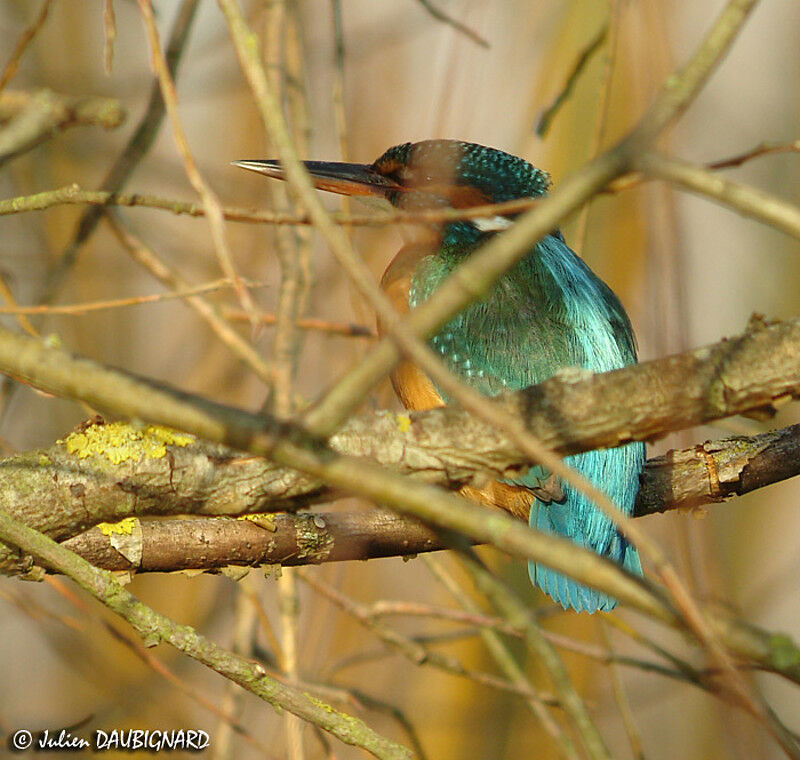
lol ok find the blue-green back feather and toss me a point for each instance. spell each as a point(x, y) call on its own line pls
point(550, 311)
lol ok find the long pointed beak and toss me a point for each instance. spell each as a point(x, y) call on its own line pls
point(336, 177)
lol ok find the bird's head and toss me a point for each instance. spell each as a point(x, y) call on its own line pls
point(428, 175)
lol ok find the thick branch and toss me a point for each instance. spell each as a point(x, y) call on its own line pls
point(128, 395)
point(107, 472)
point(718, 470)
point(719, 374)
point(155, 628)
point(704, 474)
point(207, 543)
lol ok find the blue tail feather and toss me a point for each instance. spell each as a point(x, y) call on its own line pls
point(576, 518)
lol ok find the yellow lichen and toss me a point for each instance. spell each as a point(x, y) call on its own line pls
point(265, 521)
point(120, 442)
point(235, 572)
point(169, 436)
point(403, 422)
point(52, 340)
point(124, 527)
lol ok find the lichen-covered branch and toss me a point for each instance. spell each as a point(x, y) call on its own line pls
point(217, 543)
point(155, 628)
point(106, 472)
point(753, 370)
point(686, 478)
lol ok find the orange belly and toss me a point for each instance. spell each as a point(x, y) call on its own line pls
point(417, 392)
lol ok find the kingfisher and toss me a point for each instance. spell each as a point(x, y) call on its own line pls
point(547, 313)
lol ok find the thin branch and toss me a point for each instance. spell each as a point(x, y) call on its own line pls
point(602, 110)
point(545, 119)
point(504, 658)
point(621, 697)
point(284, 56)
point(513, 610)
point(209, 312)
point(684, 480)
point(746, 200)
point(74, 195)
point(134, 151)
point(33, 117)
point(109, 35)
point(155, 628)
point(232, 701)
point(347, 329)
point(459, 26)
point(763, 149)
point(211, 202)
point(87, 307)
point(22, 43)
point(13, 308)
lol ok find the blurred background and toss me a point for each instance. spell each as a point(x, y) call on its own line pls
point(357, 77)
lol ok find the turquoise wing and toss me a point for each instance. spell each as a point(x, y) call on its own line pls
point(550, 312)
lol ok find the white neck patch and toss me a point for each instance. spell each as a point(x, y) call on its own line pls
point(492, 223)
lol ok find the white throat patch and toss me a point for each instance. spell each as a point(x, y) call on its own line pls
point(492, 223)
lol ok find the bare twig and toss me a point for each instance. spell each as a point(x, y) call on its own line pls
point(504, 659)
point(132, 154)
point(87, 307)
point(601, 113)
point(22, 43)
point(208, 311)
point(748, 201)
point(545, 119)
point(211, 203)
point(347, 329)
point(459, 26)
point(764, 149)
point(73, 194)
point(621, 698)
point(110, 31)
point(513, 610)
point(156, 628)
point(33, 117)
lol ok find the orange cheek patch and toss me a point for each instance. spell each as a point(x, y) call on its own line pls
point(460, 196)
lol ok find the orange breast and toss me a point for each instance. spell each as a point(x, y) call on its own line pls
point(417, 392)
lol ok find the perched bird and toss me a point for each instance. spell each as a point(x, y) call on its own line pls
point(548, 312)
